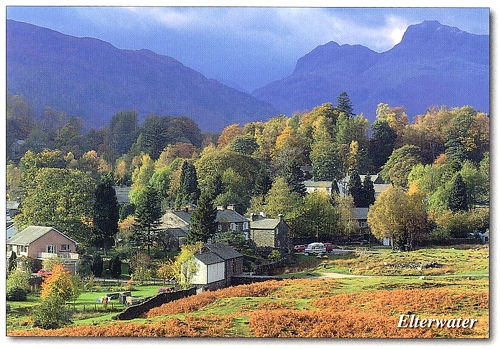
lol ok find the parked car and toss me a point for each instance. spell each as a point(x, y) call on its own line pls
point(315, 248)
point(328, 246)
point(44, 272)
point(299, 248)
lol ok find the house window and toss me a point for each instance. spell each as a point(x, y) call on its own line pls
point(363, 224)
point(233, 226)
point(51, 248)
point(245, 225)
point(65, 248)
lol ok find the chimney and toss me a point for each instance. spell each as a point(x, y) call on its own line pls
point(220, 208)
point(263, 214)
point(230, 207)
point(253, 217)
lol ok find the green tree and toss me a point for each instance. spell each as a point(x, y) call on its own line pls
point(325, 161)
point(188, 192)
point(154, 135)
point(263, 183)
point(318, 217)
point(457, 200)
point(356, 188)
point(203, 226)
point(147, 216)
point(294, 177)
point(368, 194)
point(185, 266)
point(122, 132)
point(60, 198)
point(244, 144)
point(344, 104)
point(382, 143)
point(105, 213)
point(400, 163)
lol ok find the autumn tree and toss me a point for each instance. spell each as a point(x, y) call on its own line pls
point(57, 289)
point(399, 215)
point(228, 134)
point(185, 267)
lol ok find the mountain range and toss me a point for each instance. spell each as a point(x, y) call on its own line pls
point(433, 64)
point(94, 80)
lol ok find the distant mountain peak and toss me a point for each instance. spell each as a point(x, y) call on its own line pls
point(433, 65)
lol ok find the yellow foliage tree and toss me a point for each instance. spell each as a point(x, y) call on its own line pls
point(399, 215)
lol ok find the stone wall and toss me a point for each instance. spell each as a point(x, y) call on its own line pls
point(162, 298)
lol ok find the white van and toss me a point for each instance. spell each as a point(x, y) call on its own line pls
point(315, 248)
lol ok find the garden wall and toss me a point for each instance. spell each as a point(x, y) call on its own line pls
point(135, 311)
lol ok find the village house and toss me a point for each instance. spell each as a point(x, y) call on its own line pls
point(175, 223)
point(270, 233)
point(312, 186)
point(378, 184)
point(44, 243)
point(216, 264)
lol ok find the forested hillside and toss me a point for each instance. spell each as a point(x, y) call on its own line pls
point(442, 157)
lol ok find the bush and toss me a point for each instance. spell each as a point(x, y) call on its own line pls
point(16, 293)
point(116, 267)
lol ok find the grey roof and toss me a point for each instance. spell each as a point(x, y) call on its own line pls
point(318, 184)
point(176, 232)
point(359, 213)
point(264, 224)
point(122, 193)
point(12, 205)
point(230, 216)
point(223, 216)
point(32, 233)
point(184, 215)
point(208, 257)
point(223, 250)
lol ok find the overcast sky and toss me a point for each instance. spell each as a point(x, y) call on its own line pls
point(245, 46)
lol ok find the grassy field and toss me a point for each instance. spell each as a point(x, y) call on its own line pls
point(445, 283)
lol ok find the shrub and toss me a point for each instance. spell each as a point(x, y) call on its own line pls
point(16, 293)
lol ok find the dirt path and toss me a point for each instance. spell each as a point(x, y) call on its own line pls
point(340, 276)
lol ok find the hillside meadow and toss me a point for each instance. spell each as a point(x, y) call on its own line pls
point(455, 284)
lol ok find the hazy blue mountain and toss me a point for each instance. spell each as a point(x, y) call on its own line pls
point(434, 64)
point(92, 79)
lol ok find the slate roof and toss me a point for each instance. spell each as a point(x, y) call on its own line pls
point(223, 216)
point(230, 216)
point(208, 258)
point(223, 250)
point(264, 224)
point(122, 193)
point(359, 213)
point(185, 216)
point(32, 233)
point(176, 232)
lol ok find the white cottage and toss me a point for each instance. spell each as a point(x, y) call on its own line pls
point(216, 264)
